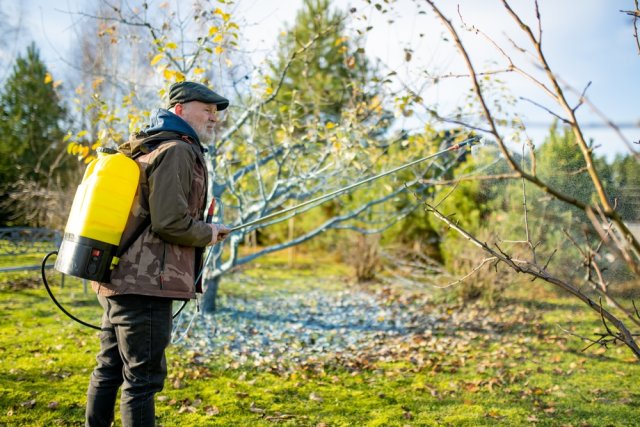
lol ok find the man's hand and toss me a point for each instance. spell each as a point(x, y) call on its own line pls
point(219, 232)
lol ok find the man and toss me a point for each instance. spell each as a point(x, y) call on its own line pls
point(165, 235)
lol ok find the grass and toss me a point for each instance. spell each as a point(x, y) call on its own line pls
point(530, 373)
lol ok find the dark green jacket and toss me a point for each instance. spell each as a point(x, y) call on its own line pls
point(166, 258)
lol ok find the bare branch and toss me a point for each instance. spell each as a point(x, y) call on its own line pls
point(489, 117)
point(535, 271)
point(636, 14)
point(557, 116)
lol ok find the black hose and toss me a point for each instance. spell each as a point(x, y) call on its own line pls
point(55, 301)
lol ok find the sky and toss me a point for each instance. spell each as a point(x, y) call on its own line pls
point(590, 41)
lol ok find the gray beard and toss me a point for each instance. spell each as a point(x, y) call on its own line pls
point(205, 137)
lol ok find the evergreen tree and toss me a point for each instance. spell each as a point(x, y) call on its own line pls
point(314, 84)
point(625, 186)
point(331, 76)
point(31, 134)
point(561, 164)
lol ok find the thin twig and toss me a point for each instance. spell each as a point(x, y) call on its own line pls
point(533, 270)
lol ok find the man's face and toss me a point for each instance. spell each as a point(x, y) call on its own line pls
point(201, 117)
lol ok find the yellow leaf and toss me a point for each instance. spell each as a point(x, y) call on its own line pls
point(95, 146)
point(218, 38)
point(219, 50)
point(233, 25)
point(70, 147)
point(88, 159)
point(57, 83)
point(171, 45)
point(48, 78)
point(340, 40)
point(268, 90)
point(168, 74)
point(157, 58)
point(97, 82)
point(179, 76)
point(228, 62)
point(198, 70)
point(225, 17)
point(81, 134)
point(330, 125)
point(213, 30)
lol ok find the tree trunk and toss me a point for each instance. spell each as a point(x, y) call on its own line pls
point(210, 295)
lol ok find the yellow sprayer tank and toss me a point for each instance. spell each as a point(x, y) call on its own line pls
point(98, 216)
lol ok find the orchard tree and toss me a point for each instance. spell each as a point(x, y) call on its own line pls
point(485, 113)
point(320, 125)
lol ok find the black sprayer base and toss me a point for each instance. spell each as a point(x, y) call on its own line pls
point(85, 258)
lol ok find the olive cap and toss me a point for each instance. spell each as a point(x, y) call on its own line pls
point(183, 92)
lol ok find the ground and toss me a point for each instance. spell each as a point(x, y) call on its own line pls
point(303, 345)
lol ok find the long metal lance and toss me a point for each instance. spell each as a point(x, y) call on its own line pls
point(331, 195)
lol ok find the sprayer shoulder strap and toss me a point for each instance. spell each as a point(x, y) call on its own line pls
point(125, 245)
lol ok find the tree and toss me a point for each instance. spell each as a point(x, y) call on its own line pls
point(320, 126)
point(32, 154)
point(484, 114)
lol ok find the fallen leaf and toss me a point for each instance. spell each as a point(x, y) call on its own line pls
point(189, 409)
point(279, 417)
point(493, 414)
point(53, 405)
point(211, 410)
point(315, 397)
point(29, 404)
point(253, 408)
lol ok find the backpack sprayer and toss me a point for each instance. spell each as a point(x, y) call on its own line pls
point(99, 213)
point(91, 246)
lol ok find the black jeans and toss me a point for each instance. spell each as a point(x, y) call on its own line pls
point(136, 330)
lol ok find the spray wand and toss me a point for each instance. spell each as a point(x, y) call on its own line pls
point(329, 196)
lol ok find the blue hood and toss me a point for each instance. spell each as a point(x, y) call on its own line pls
point(165, 121)
point(164, 126)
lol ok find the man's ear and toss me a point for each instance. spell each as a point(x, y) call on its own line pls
point(178, 109)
